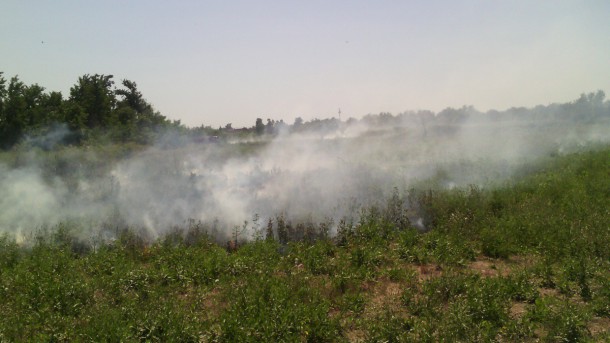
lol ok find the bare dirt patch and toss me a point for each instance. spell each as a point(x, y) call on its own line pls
point(598, 326)
point(428, 271)
point(489, 267)
point(212, 302)
point(356, 335)
point(518, 310)
point(385, 295)
point(548, 292)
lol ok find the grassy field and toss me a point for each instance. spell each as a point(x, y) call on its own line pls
point(529, 261)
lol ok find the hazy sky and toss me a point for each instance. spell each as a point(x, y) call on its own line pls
point(218, 62)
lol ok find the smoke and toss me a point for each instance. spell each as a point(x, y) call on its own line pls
point(56, 134)
point(321, 174)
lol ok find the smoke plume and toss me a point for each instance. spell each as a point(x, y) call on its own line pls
point(324, 173)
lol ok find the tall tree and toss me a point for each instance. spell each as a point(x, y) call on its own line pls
point(132, 97)
point(259, 127)
point(35, 114)
point(3, 92)
point(136, 116)
point(12, 120)
point(95, 96)
point(270, 127)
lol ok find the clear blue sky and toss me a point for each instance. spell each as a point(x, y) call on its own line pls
point(218, 62)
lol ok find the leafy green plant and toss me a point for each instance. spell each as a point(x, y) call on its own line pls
point(376, 280)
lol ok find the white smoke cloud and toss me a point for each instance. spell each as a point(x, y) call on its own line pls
point(309, 176)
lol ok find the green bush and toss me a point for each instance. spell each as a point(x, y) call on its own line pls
point(276, 310)
point(550, 229)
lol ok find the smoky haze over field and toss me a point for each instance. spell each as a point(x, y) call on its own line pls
point(317, 173)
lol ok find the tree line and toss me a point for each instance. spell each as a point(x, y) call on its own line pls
point(95, 108)
point(99, 110)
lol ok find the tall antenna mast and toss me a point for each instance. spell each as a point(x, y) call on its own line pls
point(339, 113)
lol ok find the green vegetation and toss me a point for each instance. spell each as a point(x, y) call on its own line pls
point(527, 261)
point(94, 111)
point(98, 112)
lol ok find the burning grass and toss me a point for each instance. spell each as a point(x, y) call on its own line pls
point(525, 262)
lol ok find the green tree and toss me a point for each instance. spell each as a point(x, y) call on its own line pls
point(132, 97)
point(3, 95)
point(95, 108)
point(26, 110)
point(53, 104)
point(298, 122)
point(270, 127)
point(137, 118)
point(259, 127)
point(74, 115)
point(34, 115)
point(2, 92)
point(12, 120)
point(95, 96)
